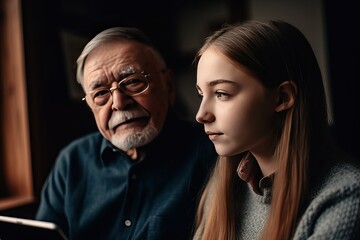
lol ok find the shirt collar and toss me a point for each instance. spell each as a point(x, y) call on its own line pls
point(249, 171)
point(107, 152)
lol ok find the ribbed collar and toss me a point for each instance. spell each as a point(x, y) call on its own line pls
point(249, 171)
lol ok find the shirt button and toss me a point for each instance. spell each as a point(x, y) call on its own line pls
point(127, 223)
point(133, 176)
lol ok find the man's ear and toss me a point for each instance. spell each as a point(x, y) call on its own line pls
point(287, 92)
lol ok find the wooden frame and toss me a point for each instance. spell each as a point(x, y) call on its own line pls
point(15, 160)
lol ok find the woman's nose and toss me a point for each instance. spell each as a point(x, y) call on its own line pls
point(204, 115)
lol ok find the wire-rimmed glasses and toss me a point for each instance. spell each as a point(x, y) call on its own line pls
point(131, 85)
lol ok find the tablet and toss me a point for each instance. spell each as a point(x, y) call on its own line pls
point(14, 228)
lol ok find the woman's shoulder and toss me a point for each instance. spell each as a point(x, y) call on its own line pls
point(341, 174)
point(334, 208)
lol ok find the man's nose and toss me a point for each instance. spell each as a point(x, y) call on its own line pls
point(119, 99)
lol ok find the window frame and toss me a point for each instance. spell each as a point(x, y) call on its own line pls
point(15, 162)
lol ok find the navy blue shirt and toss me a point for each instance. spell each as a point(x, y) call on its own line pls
point(95, 191)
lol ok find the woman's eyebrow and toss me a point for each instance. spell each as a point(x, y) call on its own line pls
point(219, 81)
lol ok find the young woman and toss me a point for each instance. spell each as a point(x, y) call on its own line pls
point(279, 174)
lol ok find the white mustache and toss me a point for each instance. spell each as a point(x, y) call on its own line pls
point(119, 117)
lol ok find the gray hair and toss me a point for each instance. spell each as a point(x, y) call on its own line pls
point(108, 35)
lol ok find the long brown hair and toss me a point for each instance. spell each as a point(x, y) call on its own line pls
point(274, 51)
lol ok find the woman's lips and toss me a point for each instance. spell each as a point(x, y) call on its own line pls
point(213, 136)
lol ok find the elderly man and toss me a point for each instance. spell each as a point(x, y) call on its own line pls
point(140, 175)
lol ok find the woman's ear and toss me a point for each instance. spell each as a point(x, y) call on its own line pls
point(287, 92)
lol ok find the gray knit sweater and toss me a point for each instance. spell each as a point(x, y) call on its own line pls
point(333, 213)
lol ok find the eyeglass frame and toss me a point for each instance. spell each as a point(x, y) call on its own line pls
point(112, 89)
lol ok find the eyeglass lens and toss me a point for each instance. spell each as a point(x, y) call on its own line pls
point(132, 85)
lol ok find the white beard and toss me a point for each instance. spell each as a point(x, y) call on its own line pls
point(130, 138)
point(136, 139)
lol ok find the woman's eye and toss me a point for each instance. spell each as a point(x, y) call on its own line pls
point(221, 95)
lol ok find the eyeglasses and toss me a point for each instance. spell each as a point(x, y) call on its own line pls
point(131, 85)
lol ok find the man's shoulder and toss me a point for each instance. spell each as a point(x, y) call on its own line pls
point(89, 137)
point(88, 141)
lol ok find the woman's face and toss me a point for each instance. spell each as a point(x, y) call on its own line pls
point(237, 111)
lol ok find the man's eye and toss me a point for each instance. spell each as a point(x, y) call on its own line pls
point(133, 85)
point(100, 93)
point(133, 81)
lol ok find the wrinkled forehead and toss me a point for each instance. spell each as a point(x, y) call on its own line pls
point(113, 60)
point(123, 54)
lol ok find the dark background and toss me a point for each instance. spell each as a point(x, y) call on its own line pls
point(56, 117)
